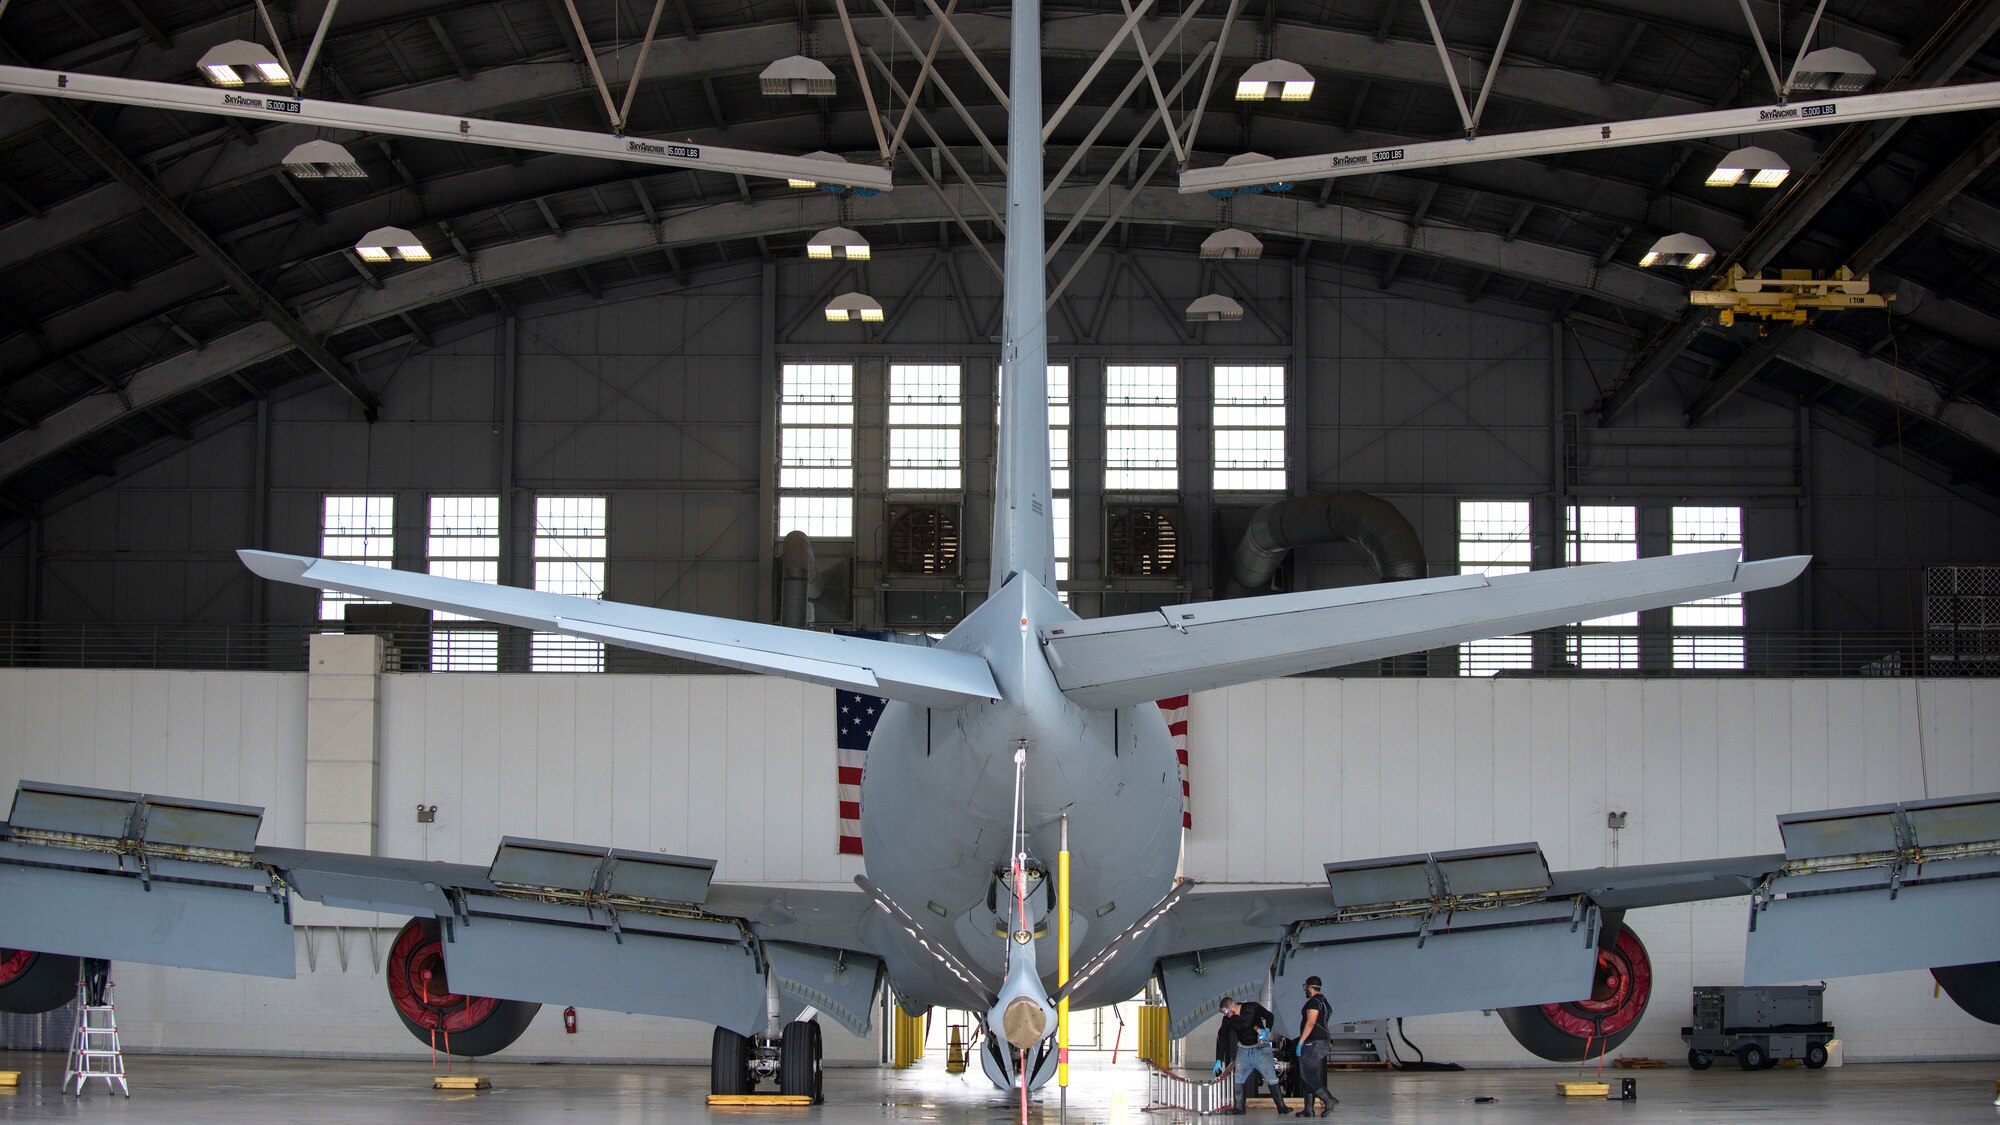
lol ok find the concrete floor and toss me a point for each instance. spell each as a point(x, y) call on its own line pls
point(219, 1091)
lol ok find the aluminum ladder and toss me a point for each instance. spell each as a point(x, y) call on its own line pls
point(93, 1046)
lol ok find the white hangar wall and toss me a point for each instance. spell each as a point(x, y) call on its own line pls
point(1286, 775)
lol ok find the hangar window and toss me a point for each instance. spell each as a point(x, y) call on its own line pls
point(464, 543)
point(926, 422)
point(1249, 429)
point(1141, 428)
point(356, 529)
point(1604, 533)
point(570, 548)
point(1708, 633)
point(1493, 538)
point(816, 450)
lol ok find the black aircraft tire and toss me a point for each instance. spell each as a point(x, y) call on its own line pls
point(1974, 988)
point(729, 1063)
point(1531, 1028)
point(45, 983)
point(1699, 1061)
point(799, 1060)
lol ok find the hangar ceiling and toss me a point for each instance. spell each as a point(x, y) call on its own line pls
point(160, 271)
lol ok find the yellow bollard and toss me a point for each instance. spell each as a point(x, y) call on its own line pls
point(1154, 1045)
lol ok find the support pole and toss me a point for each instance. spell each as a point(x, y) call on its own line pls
point(1062, 960)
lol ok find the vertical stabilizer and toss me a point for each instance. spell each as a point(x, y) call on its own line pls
point(1023, 523)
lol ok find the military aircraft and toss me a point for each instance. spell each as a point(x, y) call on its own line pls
point(1024, 723)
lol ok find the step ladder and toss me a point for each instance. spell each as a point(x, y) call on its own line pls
point(93, 1047)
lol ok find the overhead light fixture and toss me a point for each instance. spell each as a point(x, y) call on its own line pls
point(804, 184)
point(797, 74)
point(240, 61)
point(1232, 243)
point(1212, 307)
point(387, 243)
point(1688, 251)
point(1835, 70)
point(854, 306)
point(1275, 78)
point(837, 242)
point(323, 160)
point(1764, 168)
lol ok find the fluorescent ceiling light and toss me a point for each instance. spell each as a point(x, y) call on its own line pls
point(837, 242)
point(1835, 70)
point(854, 306)
point(1762, 167)
point(1681, 249)
point(804, 184)
point(240, 61)
point(797, 74)
point(323, 160)
point(1232, 243)
point(385, 243)
point(1214, 306)
point(1275, 78)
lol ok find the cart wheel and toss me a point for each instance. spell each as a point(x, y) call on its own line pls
point(1751, 1057)
point(1771, 1064)
point(1815, 1056)
point(1698, 1061)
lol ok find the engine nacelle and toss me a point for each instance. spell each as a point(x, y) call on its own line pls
point(32, 983)
point(1596, 1024)
point(446, 1020)
point(1975, 988)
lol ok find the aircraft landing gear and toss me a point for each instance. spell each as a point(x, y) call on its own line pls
point(738, 1064)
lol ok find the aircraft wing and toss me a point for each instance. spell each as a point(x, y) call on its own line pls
point(1119, 661)
point(166, 881)
point(928, 677)
point(1862, 890)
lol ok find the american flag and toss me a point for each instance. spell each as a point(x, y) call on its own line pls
point(1175, 711)
point(854, 717)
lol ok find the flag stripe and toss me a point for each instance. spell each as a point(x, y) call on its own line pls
point(1175, 710)
point(854, 718)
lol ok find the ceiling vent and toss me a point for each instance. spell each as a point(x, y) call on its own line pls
point(1142, 542)
point(923, 539)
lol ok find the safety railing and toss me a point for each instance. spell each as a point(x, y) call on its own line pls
point(1167, 1089)
point(474, 647)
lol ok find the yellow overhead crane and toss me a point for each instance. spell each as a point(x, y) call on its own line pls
point(1786, 296)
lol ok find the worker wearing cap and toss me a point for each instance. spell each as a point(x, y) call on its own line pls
point(1245, 1036)
point(1313, 1041)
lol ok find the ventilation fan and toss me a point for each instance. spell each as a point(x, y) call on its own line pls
point(923, 539)
point(1142, 542)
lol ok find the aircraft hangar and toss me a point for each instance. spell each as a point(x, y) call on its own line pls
point(701, 307)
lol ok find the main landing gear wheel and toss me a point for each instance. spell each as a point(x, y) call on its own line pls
point(799, 1058)
point(1751, 1057)
point(32, 983)
point(729, 1063)
point(422, 995)
point(1598, 1023)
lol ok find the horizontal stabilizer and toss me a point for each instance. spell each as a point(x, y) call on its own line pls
point(1119, 661)
point(930, 677)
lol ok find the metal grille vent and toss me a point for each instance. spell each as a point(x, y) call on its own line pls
point(923, 539)
point(1142, 542)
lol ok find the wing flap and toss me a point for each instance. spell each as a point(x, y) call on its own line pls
point(1119, 661)
point(930, 677)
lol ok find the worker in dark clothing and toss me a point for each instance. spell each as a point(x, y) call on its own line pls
point(1245, 1038)
point(1313, 1042)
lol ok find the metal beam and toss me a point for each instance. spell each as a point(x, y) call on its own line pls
point(431, 126)
point(267, 305)
point(1927, 201)
point(1598, 137)
point(1739, 372)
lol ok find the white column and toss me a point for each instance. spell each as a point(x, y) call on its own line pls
point(343, 690)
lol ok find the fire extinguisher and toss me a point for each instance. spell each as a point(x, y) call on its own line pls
point(569, 1020)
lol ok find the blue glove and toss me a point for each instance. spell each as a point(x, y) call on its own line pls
point(1217, 1072)
point(1263, 1036)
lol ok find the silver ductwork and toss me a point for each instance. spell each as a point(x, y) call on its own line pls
point(1368, 521)
point(798, 580)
